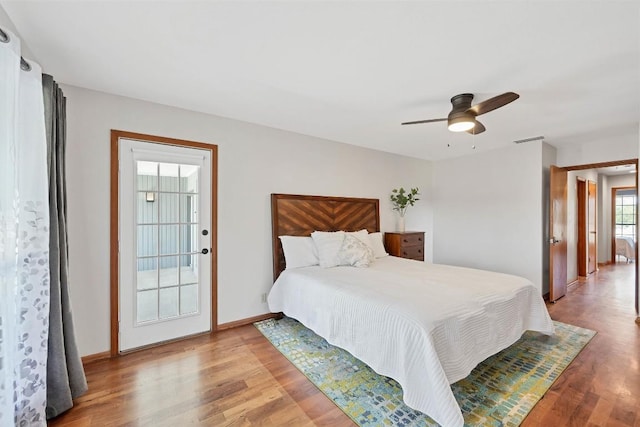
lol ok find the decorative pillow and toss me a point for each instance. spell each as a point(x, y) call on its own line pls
point(354, 252)
point(376, 244)
point(299, 251)
point(362, 235)
point(328, 245)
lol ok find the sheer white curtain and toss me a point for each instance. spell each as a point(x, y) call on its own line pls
point(24, 240)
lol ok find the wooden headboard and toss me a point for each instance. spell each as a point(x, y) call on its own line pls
point(296, 215)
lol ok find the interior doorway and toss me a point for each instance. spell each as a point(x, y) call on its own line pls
point(587, 252)
point(604, 233)
point(623, 223)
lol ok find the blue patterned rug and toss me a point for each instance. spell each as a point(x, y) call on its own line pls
point(499, 392)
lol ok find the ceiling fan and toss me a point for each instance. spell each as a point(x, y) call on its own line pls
point(462, 117)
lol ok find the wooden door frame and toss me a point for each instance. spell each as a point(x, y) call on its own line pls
point(619, 163)
point(115, 225)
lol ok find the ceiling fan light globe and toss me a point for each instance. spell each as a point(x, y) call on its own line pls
point(460, 125)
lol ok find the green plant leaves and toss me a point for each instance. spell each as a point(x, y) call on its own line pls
point(401, 199)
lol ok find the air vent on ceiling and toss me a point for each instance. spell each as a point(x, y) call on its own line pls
point(535, 138)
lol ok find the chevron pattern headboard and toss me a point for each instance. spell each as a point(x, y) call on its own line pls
point(297, 215)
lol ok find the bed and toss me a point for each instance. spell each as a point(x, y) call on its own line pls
point(626, 247)
point(424, 325)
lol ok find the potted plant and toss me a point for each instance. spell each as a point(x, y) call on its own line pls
point(401, 200)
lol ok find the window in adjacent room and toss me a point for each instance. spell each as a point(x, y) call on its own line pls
point(626, 213)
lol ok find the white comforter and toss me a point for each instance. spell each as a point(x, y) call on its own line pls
point(424, 325)
point(626, 247)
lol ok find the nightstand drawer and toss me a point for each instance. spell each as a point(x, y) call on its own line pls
point(408, 244)
point(413, 252)
point(413, 239)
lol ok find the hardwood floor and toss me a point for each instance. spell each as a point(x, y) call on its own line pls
point(602, 385)
point(236, 378)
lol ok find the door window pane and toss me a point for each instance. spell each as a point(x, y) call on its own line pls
point(188, 178)
point(188, 275)
point(169, 177)
point(168, 302)
point(168, 205)
point(147, 277)
point(147, 176)
point(147, 240)
point(147, 210)
point(168, 239)
point(188, 208)
point(188, 299)
point(188, 238)
point(147, 306)
point(168, 271)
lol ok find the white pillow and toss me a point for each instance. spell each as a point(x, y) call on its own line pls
point(362, 235)
point(328, 245)
point(355, 252)
point(376, 244)
point(299, 251)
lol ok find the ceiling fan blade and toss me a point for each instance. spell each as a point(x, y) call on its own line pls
point(478, 128)
point(424, 121)
point(493, 103)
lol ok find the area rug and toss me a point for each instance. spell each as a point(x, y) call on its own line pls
point(499, 392)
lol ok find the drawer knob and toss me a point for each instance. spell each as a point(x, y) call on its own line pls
point(405, 240)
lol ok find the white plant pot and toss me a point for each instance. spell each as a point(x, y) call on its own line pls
point(401, 224)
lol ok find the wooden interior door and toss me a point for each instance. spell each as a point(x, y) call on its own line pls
point(557, 233)
point(583, 232)
point(592, 242)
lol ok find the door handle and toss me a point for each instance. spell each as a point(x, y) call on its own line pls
point(553, 241)
point(205, 251)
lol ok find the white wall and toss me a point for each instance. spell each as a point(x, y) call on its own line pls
point(487, 210)
point(626, 180)
point(7, 24)
point(254, 161)
point(605, 150)
point(604, 219)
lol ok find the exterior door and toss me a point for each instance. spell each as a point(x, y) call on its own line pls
point(164, 242)
point(558, 233)
point(592, 237)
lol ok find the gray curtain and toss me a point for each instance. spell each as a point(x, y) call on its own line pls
point(65, 374)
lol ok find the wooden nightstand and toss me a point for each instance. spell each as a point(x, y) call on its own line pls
point(408, 244)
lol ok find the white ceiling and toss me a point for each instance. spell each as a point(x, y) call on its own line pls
point(351, 71)
point(617, 170)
